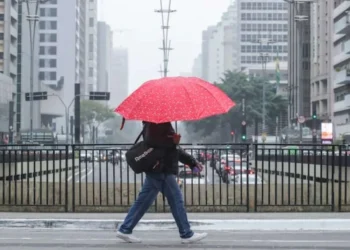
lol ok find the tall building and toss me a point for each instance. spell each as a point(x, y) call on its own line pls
point(67, 55)
point(341, 67)
point(8, 60)
point(299, 61)
point(219, 49)
point(263, 28)
point(119, 87)
point(197, 66)
point(321, 58)
point(105, 46)
point(91, 42)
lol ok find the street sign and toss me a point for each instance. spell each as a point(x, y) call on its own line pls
point(100, 96)
point(37, 96)
point(301, 119)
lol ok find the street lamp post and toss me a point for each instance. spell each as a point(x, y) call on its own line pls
point(32, 18)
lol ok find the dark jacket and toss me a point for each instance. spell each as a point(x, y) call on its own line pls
point(160, 136)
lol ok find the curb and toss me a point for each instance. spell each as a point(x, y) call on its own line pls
point(209, 225)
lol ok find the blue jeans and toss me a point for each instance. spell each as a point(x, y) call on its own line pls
point(154, 183)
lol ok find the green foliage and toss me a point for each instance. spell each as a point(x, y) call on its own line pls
point(238, 86)
point(94, 111)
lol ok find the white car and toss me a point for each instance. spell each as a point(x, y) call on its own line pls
point(242, 179)
point(189, 177)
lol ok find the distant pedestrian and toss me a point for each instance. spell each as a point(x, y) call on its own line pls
point(162, 179)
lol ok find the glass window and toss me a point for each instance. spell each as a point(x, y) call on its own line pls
point(52, 63)
point(53, 76)
point(42, 25)
point(41, 63)
point(42, 50)
point(91, 22)
point(53, 12)
point(53, 38)
point(41, 75)
point(52, 50)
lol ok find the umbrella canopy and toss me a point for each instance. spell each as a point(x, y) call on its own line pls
point(175, 99)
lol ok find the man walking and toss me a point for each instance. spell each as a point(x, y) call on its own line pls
point(162, 179)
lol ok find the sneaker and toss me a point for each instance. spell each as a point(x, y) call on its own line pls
point(195, 238)
point(128, 237)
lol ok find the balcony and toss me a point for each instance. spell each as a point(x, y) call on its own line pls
point(342, 26)
point(342, 57)
point(341, 9)
point(342, 77)
point(342, 105)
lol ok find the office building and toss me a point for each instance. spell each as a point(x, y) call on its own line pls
point(104, 51)
point(321, 27)
point(219, 50)
point(8, 60)
point(263, 28)
point(119, 87)
point(341, 67)
point(197, 66)
point(67, 55)
point(299, 61)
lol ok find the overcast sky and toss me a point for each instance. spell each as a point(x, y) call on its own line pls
point(142, 34)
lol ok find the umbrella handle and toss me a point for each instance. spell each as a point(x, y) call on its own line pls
point(123, 123)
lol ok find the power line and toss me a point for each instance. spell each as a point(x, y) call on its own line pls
point(166, 45)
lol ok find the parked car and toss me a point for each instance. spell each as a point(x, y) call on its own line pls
point(190, 177)
point(233, 169)
point(250, 179)
point(85, 156)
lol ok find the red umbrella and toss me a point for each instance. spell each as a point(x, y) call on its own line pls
point(175, 99)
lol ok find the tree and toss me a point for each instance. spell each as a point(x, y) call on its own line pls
point(93, 113)
point(239, 86)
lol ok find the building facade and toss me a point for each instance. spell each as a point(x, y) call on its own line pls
point(104, 51)
point(299, 61)
point(119, 87)
point(67, 55)
point(219, 49)
point(341, 67)
point(321, 27)
point(263, 28)
point(197, 66)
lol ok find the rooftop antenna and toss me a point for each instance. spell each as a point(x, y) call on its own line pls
point(166, 48)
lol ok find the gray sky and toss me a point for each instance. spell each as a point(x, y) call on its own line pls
point(143, 35)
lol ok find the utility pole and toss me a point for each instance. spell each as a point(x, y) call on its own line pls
point(33, 19)
point(264, 56)
point(166, 48)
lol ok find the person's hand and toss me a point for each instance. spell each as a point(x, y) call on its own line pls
point(176, 138)
point(198, 168)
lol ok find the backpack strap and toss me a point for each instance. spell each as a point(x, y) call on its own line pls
point(139, 136)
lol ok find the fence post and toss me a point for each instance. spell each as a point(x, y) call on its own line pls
point(256, 178)
point(340, 178)
point(73, 177)
point(66, 179)
point(333, 179)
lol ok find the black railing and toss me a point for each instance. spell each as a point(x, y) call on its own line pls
point(238, 177)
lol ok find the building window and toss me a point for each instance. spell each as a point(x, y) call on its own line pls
point(2, 17)
point(52, 25)
point(52, 12)
point(42, 50)
point(42, 25)
point(52, 50)
point(53, 76)
point(1, 36)
point(42, 63)
point(53, 63)
point(91, 72)
point(91, 22)
point(53, 1)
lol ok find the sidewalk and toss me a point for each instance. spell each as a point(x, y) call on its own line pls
point(199, 221)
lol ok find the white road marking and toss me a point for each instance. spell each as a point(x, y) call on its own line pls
point(85, 176)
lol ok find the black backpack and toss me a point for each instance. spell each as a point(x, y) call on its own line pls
point(142, 158)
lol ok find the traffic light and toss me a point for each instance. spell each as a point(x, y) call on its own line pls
point(244, 131)
point(314, 116)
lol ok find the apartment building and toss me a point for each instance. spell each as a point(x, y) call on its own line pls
point(8, 60)
point(104, 51)
point(341, 67)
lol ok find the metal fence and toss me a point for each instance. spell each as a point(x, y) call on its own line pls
point(236, 178)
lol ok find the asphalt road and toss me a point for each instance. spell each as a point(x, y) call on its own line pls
point(33, 239)
point(106, 172)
